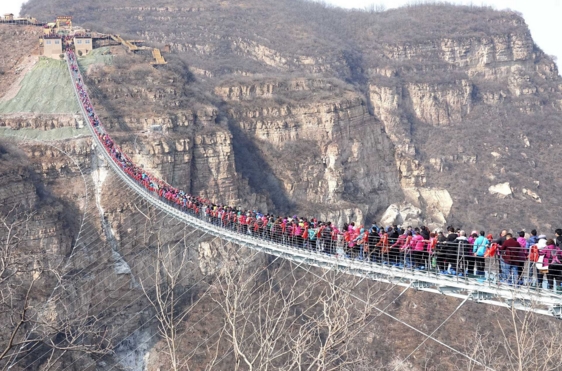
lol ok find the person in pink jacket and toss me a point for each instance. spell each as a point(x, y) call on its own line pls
point(353, 233)
point(521, 239)
point(551, 263)
point(406, 250)
point(418, 254)
point(297, 232)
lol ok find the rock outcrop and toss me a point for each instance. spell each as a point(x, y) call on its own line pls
point(501, 190)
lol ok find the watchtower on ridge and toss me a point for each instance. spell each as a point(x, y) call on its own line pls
point(83, 44)
point(50, 46)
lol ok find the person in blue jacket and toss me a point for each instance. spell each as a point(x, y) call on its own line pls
point(479, 249)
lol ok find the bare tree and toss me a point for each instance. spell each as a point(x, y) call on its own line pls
point(526, 341)
point(531, 342)
point(25, 323)
point(375, 8)
point(170, 261)
point(282, 319)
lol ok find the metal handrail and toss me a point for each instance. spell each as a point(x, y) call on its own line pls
point(483, 292)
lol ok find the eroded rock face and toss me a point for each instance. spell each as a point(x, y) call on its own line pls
point(388, 106)
point(443, 104)
point(402, 214)
point(39, 121)
point(202, 163)
point(534, 195)
point(436, 203)
point(448, 122)
point(332, 151)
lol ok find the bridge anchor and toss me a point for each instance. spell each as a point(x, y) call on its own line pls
point(479, 296)
point(556, 311)
point(526, 303)
point(417, 285)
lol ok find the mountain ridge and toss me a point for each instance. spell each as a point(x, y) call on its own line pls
point(420, 73)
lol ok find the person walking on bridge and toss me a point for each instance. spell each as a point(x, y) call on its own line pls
point(479, 249)
point(512, 259)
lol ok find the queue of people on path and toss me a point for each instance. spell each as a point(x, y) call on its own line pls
point(513, 259)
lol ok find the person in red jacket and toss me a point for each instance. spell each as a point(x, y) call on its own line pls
point(513, 258)
point(396, 248)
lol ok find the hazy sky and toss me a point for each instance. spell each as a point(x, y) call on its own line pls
point(542, 16)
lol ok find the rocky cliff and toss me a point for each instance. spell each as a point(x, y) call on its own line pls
point(346, 117)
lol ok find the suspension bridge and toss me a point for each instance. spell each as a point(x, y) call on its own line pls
point(486, 292)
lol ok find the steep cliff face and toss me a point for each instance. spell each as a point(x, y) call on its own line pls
point(445, 128)
point(418, 104)
point(319, 143)
point(21, 192)
point(220, 149)
point(42, 226)
point(18, 121)
point(149, 115)
point(411, 125)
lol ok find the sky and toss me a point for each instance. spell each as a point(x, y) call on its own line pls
point(542, 16)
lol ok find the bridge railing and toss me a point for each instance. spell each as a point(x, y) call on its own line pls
point(446, 271)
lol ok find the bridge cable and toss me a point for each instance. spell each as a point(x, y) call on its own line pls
point(161, 211)
point(35, 345)
point(255, 290)
point(211, 311)
point(124, 284)
point(431, 335)
point(89, 266)
point(38, 358)
point(192, 353)
point(421, 332)
point(185, 312)
point(154, 316)
point(363, 325)
point(77, 237)
point(138, 253)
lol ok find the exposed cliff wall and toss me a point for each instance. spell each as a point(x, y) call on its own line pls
point(446, 127)
point(18, 121)
point(434, 84)
point(319, 152)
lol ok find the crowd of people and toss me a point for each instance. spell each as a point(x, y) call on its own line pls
point(513, 259)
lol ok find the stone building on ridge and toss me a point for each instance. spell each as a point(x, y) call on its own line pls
point(82, 45)
point(50, 46)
